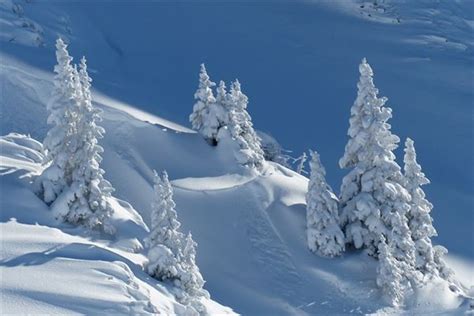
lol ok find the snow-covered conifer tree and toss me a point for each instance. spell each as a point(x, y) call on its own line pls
point(420, 221)
point(191, 279)
point(205, 116)
point(373, 199)
point(171, 255)
point(89, 205)
point(72, 150)
point(390, 275)
point(402, 245)
point(222, 104)
point(241, 129)
point(322, 218)
point(165, 240)
point(439, 252)
point(428, 258)
point(221, 94)
point(61, 115)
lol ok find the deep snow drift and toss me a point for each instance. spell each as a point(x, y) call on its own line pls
point(250, 228)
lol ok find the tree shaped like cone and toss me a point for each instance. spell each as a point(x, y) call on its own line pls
point(323, 232)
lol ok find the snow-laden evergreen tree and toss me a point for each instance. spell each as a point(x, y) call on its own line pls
point(222, 96)
point(428, 258)
point(223, 105)
point(191, 279)
point(403, 247)
point(206, 113)
point(420, 221)
point(165, 240)
point(61, 115)
point(373, 199)
point(439, 253)
point(172, 255)
point(89, 205)
point(390, 275)
point(322, 218)
point(241, 129)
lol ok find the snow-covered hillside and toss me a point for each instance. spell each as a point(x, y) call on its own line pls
point(250, 227)
point(49, 268)
point(296, 60)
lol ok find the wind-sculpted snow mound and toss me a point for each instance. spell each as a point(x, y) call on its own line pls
point(20, 152)
point(223, 182)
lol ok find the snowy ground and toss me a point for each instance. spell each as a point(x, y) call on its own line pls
point(49, 268)
point(250, 229)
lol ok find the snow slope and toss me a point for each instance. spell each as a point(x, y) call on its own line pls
point(250, 229)
point(296, 60)
point(49, 268)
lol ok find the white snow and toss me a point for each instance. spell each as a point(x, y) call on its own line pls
point(250, 228)
point(227, 181)
point(52, 268)
point(138, 114)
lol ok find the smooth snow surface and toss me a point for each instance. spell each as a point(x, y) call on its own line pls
point(223, 182)
point(250, 228)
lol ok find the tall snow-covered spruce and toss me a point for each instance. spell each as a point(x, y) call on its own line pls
point(171, 255)
point(89, 205)
point(373, 200)
point(206, 112)
point(322, 218)
point(57, 145)
point(223, 104)
point(241, 129)
point(428, 258)
point(224, 117)
point(390, 276)
point(73, 181)
point(420, 221)
point(164, 241)
point(191, 279)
